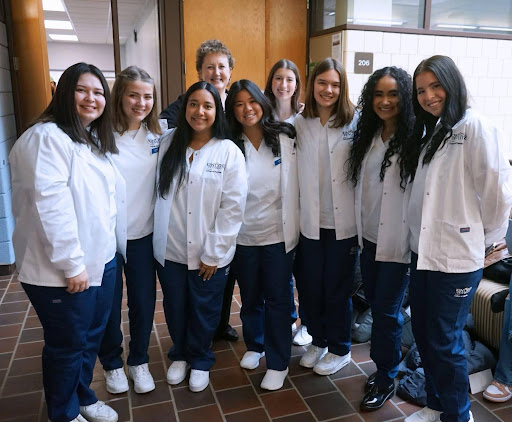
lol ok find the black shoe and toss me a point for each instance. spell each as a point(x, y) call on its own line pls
point(370, 382)
point(376, 397)
point(228, 334)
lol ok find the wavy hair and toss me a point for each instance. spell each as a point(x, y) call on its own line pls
point(270, 125)
point(455, 106)
point(284, 64)
point(119, 119)
point(62, 111)
point(213, 47)
point(369, 123)
point(174, 163)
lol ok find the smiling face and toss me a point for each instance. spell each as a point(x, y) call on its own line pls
point(385, 99)
point(89, 98)
point(201, 111)
point(137, 102)
point(247, 110)
point(430, 93)
point(326, 90)
point(215, 69)
point(284, 84)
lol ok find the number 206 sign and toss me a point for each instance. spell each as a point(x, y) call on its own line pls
point(363, 63)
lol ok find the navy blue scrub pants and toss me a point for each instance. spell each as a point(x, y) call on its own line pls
point(328, 271)
point(384, 286)
point(440, 304)
point(264, 279)
point(140, 273)
point(297, 274)
point(73, 326)
point(192, 311)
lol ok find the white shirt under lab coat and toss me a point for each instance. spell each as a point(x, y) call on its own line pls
point(272, 210)
point(466, 200)
point(309, 133)
point(217, 190)
point(393, 230)
point(62, 207)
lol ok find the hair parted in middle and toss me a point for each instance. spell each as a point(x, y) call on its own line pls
point(174, 161)
point(269, 123)
point(119, 120)
point(212, 47)
point(344, 110)
point(284, 64)
point(369, 123)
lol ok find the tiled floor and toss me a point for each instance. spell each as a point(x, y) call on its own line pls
point(233, 395)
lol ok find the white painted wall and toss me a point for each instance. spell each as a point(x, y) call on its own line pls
point(486, 65)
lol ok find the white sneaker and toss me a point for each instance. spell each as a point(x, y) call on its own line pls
point(251, 359)
point(424, 415)
point(294, 327)
point(98, 412)
point(79, 418)
point(471, 417)
point(312, 356)
point(302, 337)
point(331, 363)
point(199, 380)
point(273, 380)
point(177, 372)
point(142, 379)
point(116, 381)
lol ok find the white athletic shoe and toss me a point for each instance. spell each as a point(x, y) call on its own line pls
point(199, 380)
point(424, 415)
point(302, 337)
point(273, 380)
point(331, 363)
point(177, 372)
point(116, 381)
point(251, 360)
point(312, 356)
point(98, 412)
point(142, 379)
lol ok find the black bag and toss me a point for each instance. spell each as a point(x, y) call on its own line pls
point(499, 271)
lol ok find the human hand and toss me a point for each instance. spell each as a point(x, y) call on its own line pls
point(206, 271)
point(78, 283)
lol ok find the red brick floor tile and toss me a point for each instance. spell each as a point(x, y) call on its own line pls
point(235, 321)
point(409, 408)
point(353, 418)
point(239, 348)
point(33, 334)
point(186, 399)
point(3, 372)
point(203, 414)
point(23, 384)
point(32, 322)
point(100, 389)
point(10, 330)
point(386, 412)
point(353, 387)
point(5, 359)
point(298, 350)
point(15, 287)
point(256, 379)
point(225, 359)
point(161, 393)
point(237, 399)
point(368, 367)
point(7, 308)
point(122, 407)
point(300, 417)
point(159, 318)
point(295, 369)
point(489, 404)
point(157, 370)
point(228, 378)
point(155, 413)
point(313, 384)
point(15, 297)
point(162, 330)
point(24, 405)
point(283, 403)
point(328, 406)
point(254, 415)
point(348, 371)
point(166, 344)
point(25, 366)
point(14, 318)
point(220, 344)
point(361, 352)
point(7, 344)
point(481, 414)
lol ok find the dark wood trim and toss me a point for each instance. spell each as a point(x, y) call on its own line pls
point(2, 10)
point(308, 35)
point(426, 14)
point(115, 36)
point(14, 74)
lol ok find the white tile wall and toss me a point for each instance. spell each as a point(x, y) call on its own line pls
point(486, 65)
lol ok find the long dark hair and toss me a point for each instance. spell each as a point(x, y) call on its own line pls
point(174, 161)
point(455, 105)
point(269, 123)
point(284, 64)
point(62, 110)
point(369, 122)
point(344, 110)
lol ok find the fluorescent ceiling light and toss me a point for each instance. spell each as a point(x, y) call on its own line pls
point(51, 24)
point(494, 28)
point(63, 37)
point(377, 22)
point(332, 13)
point(454, 26)
point(53, 5)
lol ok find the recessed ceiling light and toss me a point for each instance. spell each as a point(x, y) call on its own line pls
point(494, 28)
point(53, 5)
point(52, 24)
point(63, 37)
point(455, 26)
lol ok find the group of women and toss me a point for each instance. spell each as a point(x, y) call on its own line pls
point(101, 186)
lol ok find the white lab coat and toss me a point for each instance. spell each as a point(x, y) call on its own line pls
point(393, 232)
point(340, 140)
point(61, 206)
point(289, 192)
point(467, 198)
point(217, 189)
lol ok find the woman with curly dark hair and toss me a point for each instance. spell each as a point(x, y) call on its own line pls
point(386, 119)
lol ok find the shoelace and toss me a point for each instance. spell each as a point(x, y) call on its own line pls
point(116, 375)
point(141, 371)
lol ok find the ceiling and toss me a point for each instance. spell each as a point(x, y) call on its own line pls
point(92, 19)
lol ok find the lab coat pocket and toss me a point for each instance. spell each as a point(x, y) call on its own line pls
point(462, 241)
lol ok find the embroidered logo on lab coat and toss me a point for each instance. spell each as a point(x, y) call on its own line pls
point(215, 168)
point(154, 144)
point(457, 138)
point(348, 135)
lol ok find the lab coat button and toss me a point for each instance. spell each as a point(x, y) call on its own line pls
point(190, 212)
point(424, 228)
point(385, 193)
point(428, 193)
point(381, 224)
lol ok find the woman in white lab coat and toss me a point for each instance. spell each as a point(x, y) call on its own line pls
point(384, 126)
point(68, 203)
point(460, 203)
point(198, 212)
point(270, 231)
point(328, 240)
point(137, 134)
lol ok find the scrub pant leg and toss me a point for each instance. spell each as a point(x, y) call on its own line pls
point(192, 310)
point(440, 304)
point(503, 373)
point(384, 287)
point(73, 326)
point(328, 270)
point(263, 274)
point(226, 304)
point(140, 273)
